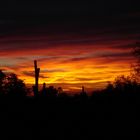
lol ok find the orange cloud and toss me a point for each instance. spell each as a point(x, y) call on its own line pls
point(90, 61)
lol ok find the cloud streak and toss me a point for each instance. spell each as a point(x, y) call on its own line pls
point(90, 56)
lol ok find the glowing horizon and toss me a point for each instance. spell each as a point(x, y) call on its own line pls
point(68, 59)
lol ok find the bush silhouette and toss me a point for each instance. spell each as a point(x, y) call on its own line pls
point(136, 66)
point(2, 78)
point(11, 85)
point(123, 85)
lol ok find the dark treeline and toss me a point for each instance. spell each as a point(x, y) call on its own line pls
point(112, 111)
point(12, 86)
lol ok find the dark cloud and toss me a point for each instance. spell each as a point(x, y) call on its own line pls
point(111, 55)
point(53, 70)
point(128, 45)
point(77, 59)
point(100, 67)
point(68, 32)
point(31, 74)
point(116, 55)
point(42, 72)
point(87, 79)
point(115, 38)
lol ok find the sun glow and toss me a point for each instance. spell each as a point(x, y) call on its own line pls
point(92, 64)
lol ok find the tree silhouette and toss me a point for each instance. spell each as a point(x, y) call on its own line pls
point(44, 90)
point(123, 85)
point(51, 91)
point(136, 50)
point(136, 66)
point(14, 86)
point(60, 90)
point(2, 77)
point(83, 94)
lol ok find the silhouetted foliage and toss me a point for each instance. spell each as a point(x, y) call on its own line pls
point(51, 91)
point(83, 94)
point(15, 86)
point(136, 50)
point(11, 85)
point(53, 111)
point(48, 91)
point(110, 87)
point(136, 66)
point(2, 77)
point(60, 90)
point(123, 85)
point(43, 91)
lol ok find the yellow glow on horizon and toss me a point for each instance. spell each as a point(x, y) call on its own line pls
point(73, 65)
point(79, 73)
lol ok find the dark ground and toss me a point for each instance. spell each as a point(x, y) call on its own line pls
point(78, 118)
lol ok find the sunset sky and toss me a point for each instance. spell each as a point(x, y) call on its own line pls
point(75, 43)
